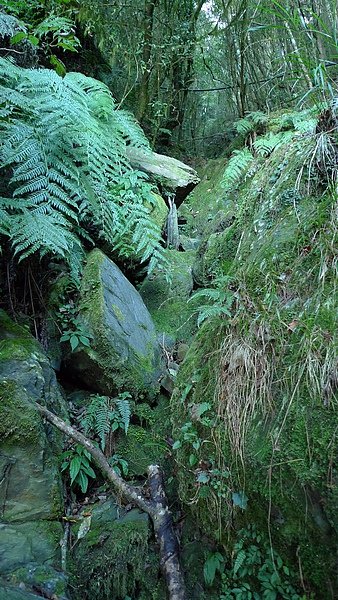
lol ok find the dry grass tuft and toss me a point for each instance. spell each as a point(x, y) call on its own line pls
point(243, 387)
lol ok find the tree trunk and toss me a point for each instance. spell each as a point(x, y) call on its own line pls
point(156, 507)
point(146, 58)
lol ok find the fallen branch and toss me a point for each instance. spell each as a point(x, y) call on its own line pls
point(156, 507)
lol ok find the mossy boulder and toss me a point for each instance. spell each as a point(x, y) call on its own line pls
point(266, 378)
point(31, 497)
point(159, 210)
point(124, 353)
point(166, 295)
point(115, 558)
point(170, 173)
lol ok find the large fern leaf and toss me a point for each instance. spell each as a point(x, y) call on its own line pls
point(65, 143)
point(236, 167)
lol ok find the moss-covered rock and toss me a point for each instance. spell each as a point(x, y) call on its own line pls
point(31, 496)
point(115, 559)
point(159, 210)
point(124, 353)
point(166, 295)
point(171, 173)
point(254, 412)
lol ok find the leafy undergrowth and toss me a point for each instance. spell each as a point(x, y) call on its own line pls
point(254, 411)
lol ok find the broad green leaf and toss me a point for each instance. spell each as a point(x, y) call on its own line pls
point(82, 480)
point(74, 342)
point(203, 477)
point(18, 37)
point(240, 499)
point(74, 468)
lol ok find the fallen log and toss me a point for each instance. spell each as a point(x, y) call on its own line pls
point(156, 507)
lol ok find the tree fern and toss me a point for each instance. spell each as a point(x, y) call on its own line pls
point(65, 144)
point(238, 164)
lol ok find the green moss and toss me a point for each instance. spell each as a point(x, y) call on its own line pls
point(167, 300)
point(141, 448)
point(266, 374)
point(16, 341)
point(115, 373)
point(19, 421)
point(43, 578)
point(117, 312)
point(111, 560)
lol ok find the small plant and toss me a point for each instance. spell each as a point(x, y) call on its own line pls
point(74, 330)
point(256, 573)
point(104, 415)
point(237, 166)
point(220, 300)
point(77, 462)
point(119, 465)
point(214, 563)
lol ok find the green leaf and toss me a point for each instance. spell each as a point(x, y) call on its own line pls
point(84, 341)
point(211, 565)
point(18, 37)
point(74, 342)
point(185, 392)
point(74, 468)
point(193, 460)
point(33, 40)
point(58, 65)
point(203, 477)
point(89, 471)
point(82, 480)
point(240, 499)
point(65, 337)
point(177, 445)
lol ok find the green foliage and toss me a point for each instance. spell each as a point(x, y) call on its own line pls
point(10, 26)
point(214, 563)
point(220, 300)
point(77, 462)
point(63, 145)
point(257, 572)
point(105, 415)
point(119, 465)
point(251, 122)
point(264, 145)
point(74, 330)
point(237, 166)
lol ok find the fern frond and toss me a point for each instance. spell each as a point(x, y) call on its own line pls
point(240, 560)
point(65, 143)
point(96, 419)
point(250, 123)
point(264, 145)
point(238, 164)
point(123, 407)
point(10, 25)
